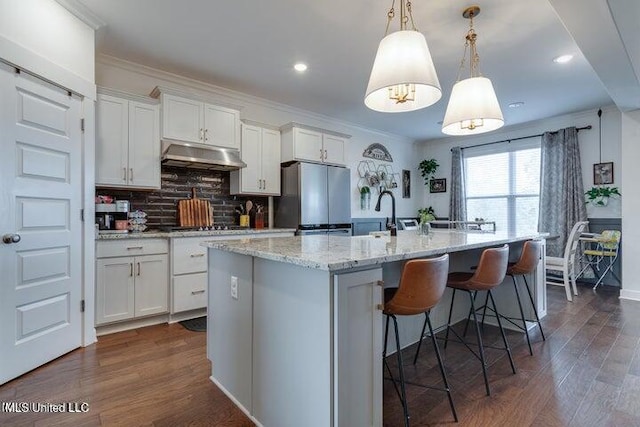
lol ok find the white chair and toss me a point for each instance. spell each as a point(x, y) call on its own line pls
point(566, 264)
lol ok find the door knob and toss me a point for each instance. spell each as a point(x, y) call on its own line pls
point(10, 238)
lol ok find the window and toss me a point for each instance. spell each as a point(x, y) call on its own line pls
point(502, 184)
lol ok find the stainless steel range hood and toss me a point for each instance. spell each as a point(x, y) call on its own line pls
point(200, 156)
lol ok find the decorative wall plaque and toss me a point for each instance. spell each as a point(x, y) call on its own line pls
point(378, 152)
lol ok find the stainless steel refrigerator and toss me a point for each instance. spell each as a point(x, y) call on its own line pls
point(315, 199)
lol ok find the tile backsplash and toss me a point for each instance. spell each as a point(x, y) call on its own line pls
point(176, 183)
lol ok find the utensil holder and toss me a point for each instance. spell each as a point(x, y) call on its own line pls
point(244, 220)
point(259, 220)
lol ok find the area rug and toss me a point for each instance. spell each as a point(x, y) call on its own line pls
point(199, 324)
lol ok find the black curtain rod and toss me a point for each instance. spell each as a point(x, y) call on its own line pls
point(516, 139)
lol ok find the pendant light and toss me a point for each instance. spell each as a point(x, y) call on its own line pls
point(473, 106)
point(403, 77)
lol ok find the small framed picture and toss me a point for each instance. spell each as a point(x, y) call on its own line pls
point(406, 184)
point(438, 185)
point(603, 173)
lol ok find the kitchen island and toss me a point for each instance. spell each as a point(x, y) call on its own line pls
point(295, 324)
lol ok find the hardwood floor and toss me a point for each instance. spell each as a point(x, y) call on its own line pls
point(587, 373)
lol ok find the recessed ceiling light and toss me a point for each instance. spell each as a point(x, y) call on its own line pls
point(562, 59)
point(300, 67)
point(516, 104)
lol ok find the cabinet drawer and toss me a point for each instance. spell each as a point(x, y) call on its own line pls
point(189, 256)
point(189, 292)
point(131, 247)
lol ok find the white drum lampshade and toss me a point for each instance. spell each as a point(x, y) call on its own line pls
point(473, 108)
point(403, 63)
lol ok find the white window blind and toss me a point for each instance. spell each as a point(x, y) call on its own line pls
point(503, 184)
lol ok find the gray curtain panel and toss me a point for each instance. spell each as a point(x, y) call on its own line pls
point(562, 202)
point(457, 203)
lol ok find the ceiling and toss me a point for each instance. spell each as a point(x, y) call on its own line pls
point(250, 46)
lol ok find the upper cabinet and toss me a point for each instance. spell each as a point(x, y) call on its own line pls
point(305, 143)
point(127, 141)
point(260, 150)
point(191, 120)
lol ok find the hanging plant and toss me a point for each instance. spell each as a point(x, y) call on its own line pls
point(428, 169)
point(599, 196)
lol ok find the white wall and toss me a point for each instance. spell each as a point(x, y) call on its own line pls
point(440, 149)
point(47, 29)
point(630, 205)
point(137, 79)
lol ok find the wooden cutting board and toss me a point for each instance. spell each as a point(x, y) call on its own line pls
point(195, 212)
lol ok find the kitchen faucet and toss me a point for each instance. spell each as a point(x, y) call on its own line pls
point(391, 226)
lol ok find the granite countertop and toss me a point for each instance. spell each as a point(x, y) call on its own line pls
point(339, 253)
point(174, 234)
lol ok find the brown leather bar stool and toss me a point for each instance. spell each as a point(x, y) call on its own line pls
point(421, 286)
point(527, 264)
point(490, 273)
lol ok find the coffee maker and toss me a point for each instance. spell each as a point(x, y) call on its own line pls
point(109, 215)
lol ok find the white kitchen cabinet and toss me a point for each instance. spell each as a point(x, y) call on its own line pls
point(191, 120)
point(127, 141)
point(189, 270)
point(260, 150)
point(305, 143)
point(130, 282)
point(114, 289)
point(189, 274)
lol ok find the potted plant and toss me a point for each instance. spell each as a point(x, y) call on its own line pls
point(428, 169)
point(426, 215)
point(599, 195)
point(365, 198)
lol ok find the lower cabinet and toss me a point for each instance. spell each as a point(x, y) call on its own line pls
point(189, 270)
point(129, 287)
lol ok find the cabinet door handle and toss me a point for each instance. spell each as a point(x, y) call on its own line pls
point(197, 292)
point(325, 154)
point(321, 154)
point(201, 134)
point(138, 269)
point(130, 269)
point(206, 138)
point(196, 255)
point(131, 173)
point(264, 184)
point(124, 174)
point(130, 248)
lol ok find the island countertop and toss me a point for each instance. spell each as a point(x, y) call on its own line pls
point(191, 233)
point(334, 253)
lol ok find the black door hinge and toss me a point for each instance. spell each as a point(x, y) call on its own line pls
point(82, 306)
point(82, 215)
point(82, 125)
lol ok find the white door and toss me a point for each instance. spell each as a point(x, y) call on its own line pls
point(114, 289)
point(182, 119)
point(251, 155)
point(307, 145)
point(112, 135)
point(40, 226)
point(152, 285)
point(144, 145)
point(271, 161)
point(333, 150)
point(221, 126)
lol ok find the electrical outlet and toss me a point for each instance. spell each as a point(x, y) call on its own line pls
point(234, 287)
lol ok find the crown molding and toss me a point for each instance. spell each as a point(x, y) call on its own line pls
point(191, 84)
point(83, 13)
